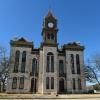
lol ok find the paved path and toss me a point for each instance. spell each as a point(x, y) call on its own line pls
point(4, 96)
point(54, 99)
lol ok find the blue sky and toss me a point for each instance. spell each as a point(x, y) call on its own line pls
point(78, 20)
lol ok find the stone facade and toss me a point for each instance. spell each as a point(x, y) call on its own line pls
point(48, 69)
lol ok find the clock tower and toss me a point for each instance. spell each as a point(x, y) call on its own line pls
point(48, 55)
point(49, 30)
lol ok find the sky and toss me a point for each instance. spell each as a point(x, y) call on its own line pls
point(78, 20)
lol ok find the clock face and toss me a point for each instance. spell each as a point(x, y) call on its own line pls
point(50, 25)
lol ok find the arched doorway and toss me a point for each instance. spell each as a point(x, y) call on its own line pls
point(33, 85)
point(61, 86)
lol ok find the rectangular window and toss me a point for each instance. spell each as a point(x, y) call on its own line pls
point(14, 83)
point(78, 63)
point(52, 82)
point(23, 62)
point(23, 67)
point(52, 63)
point(47, 82)
point(16, 67)
point(16, 64)
point(79, 84)
point(78, 69)
point(48, 64)
point(72, 63)
point(21, 84)
point(61, 67)
point(33, 66)
point(74, 86)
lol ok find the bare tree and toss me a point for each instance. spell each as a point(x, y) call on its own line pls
point(92, 69)
point(4, 63)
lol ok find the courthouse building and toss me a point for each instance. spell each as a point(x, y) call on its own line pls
point(48, 69)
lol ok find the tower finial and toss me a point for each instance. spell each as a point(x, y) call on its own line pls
point(50, 7)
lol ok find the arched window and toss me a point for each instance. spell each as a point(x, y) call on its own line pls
point(16, 65)
point(72, 63)
point(50, 62)
point(78, 63)
point(21, 84)
point(14, 83)
point(23, 62)
point(34, 65)
point(61, 67)
point(79, 84)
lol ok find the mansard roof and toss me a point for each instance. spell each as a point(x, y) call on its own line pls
point(73, 46)
point(21, 42)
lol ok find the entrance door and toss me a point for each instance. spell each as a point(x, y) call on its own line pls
point(61, 86)
point(33, 85)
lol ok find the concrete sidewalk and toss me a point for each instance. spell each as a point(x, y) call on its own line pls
point(39, 96)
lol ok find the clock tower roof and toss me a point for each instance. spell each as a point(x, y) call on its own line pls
point(50, 15)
